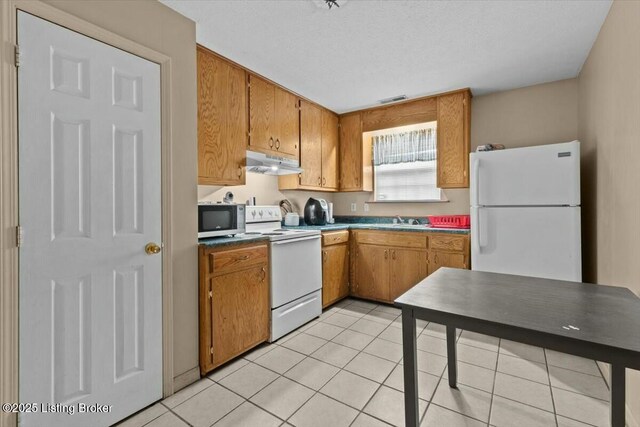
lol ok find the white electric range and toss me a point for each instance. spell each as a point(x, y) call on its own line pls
point(295, 269)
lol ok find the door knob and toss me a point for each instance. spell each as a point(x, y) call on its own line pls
point(152, 248)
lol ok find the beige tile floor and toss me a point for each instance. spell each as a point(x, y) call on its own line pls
point(345, 369)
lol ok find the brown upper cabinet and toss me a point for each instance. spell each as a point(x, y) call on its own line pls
point(274, 123)
point(454, 128)
point(330, 146)
point(406, 113)
point(222, 120)
point(318, 151)
point(453, 114)
point(355, 159)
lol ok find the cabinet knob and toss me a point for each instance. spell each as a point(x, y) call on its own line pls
point(324, 181)
point(277, 143)
point(386, 254)
point(239, 171)
point(393, 254)
point(271, 142)
point(264, 274)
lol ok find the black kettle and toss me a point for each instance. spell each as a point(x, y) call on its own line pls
point(316, 212)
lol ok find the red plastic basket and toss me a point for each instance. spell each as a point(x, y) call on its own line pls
point(450, 221)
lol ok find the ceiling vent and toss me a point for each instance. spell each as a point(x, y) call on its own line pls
point(329, 4)
point(393, 99)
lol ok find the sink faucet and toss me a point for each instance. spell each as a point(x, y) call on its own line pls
point(398, 219)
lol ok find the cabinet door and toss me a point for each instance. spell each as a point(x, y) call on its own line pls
point(335, 273)
point(240, 312)
point(408, 267)
point(439, 259)
point(310, 144)
point(329, 150)
point(262, 114)
point(372, 272)
point(453, 140)
point(222, 121)
point(350, 152)
point(205, 318)
point(287, 137)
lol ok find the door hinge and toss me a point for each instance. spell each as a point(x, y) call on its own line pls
point(19, 236)
point(210, 294)
point(17, 56)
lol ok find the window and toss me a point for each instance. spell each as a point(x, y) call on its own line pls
point(404, 165)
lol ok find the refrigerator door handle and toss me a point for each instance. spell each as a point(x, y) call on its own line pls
point(476, 182)
point(475, 230)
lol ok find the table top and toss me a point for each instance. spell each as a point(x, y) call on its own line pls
point(586, 312)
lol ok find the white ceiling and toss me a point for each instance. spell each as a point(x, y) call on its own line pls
point(351, 57)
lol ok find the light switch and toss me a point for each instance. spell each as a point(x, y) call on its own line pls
point(354, 207)
point(366, 207)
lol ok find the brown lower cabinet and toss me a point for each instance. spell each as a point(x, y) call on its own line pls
point(234, 302)
point(335, 266)
point(387, 264)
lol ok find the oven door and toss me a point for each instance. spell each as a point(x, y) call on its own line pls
point(296, 269)
point(220, 220)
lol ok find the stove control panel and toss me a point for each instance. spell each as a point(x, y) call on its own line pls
point(263, 214)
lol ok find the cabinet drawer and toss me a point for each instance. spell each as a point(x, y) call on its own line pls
point(335, 237)
point(237, 259)
point(404, 240)
point(448, 242)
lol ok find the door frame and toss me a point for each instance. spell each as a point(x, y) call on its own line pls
point(9, 267)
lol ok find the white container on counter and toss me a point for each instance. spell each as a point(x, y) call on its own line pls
point(292, 219)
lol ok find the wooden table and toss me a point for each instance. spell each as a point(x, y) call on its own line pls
point(593, 321)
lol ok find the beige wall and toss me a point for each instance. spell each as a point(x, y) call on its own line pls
point(541, 114)
point(609, 128)
point(265, 189)
point(151, 24)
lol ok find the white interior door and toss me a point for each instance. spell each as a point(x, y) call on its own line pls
point(90, 200)
point(543, 175)
point(534, 241)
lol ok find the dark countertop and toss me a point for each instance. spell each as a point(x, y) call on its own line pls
point(382, 226)
point(231, 240)
point(236, 240)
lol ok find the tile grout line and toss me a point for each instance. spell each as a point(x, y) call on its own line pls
point(388, 323)
point(361, 411)
point(340, 369)
point(144, 410)
point(493, 387)
point(553, 401)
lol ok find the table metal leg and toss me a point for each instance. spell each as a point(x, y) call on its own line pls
point(452, 359)
point(410, 368)
point(617, 407)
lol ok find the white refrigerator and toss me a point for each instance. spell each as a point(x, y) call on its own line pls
point(525, 211)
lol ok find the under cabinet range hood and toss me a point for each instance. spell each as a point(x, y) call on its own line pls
point(268, 164)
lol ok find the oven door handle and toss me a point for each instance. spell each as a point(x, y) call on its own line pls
point(300, 239)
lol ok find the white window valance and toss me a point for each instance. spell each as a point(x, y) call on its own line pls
point(405, 147)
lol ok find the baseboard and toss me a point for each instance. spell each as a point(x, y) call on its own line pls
point(631, 421)
point(183, 380)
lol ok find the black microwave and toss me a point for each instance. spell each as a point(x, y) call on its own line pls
point(220, 219)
